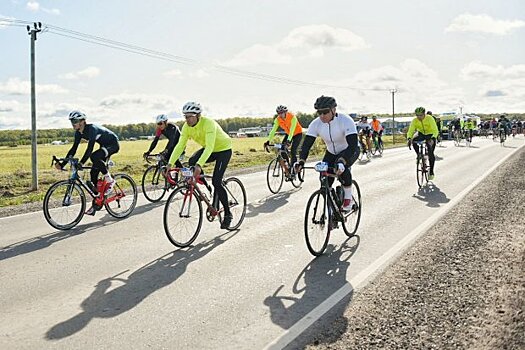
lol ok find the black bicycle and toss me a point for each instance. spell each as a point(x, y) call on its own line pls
point(65, 201)
point(324, 211)
point(422, 164)
point(377, 144)
point(280, 169)
point(154, 182)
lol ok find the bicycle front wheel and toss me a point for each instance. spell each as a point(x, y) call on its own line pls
point(352, 219)
point(317, 223)
point(237, 201)
point(122, 199)
point(153, 184)
point(64, 205)
point(421, 172)
point(274, 176)
point(182, 217)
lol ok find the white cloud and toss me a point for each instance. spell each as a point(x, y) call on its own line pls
point(173, 73)
point(483, 24)
point(4, 22)
point(477, 70)
point(15, 86)
point(34, 6)
point(9, 106)
point(311, 39)
point(89, 72)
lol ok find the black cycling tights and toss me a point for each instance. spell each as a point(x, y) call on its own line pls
point(346, 177)
point(98, 158)
point(296, 140)
point(221, 163)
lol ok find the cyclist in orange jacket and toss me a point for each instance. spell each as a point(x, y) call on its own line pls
point(291, 126)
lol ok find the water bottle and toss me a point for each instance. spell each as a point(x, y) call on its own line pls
point(340, 195)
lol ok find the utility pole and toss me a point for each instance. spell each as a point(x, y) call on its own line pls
point(393, 91)
point(37, 27)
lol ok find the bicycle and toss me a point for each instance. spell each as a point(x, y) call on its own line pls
point(502, 137)
point(468, 137)
point(154, 181)
point(422, 163)
point(183, 212)
point(378, 145)
point(64, 203)
point(278, 167)
point(363, 150)
point(324, 211)
point(458, 135)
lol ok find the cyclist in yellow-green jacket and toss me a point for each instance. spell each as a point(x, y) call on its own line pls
point(217, 146)
point(427, 130)
point(469, 127)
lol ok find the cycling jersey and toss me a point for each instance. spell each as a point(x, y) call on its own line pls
point(427, 126)
point(207, 133)
point(171, 132)
point(376, 125)
point(94, 133)
point(333, 133)
point(289, 124)
point(470, 125)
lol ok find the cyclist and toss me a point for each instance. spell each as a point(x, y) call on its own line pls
point(438, 123)
point(502, 126)
point(294, 133)
point(377, 129)
point(339, 133)
point(456, 126)
point(216, 146)
point(109, 145)
point(365, 130)
point(427, 131)
point(470, 126)
point(171, 132)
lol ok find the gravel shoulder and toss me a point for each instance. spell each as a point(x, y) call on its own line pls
point(460, 286)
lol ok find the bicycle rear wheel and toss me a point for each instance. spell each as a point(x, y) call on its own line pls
point(352, 219)
point(317, 223)
point(64, 205)
point(298, 179)
point(237, 201)
point(274, 176)
point(122, 199)
point(153, 184)
point(182, 217)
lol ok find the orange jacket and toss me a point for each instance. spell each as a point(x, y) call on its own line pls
point(289, 124)
point(376, 125)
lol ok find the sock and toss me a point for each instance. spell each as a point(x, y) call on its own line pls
point(348, 192)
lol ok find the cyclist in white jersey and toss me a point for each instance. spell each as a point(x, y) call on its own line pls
point(339, 133)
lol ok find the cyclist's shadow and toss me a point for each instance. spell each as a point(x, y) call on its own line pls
point(134, 289)
point(321, 278)
point(43, 241)
point(268, 204)
point(432, 195)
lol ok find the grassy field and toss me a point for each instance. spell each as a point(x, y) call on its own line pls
point(15, 168)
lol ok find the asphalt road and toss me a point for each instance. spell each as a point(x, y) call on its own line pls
point(120, 284)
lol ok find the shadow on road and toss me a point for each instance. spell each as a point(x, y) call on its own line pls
point(268, 204)
point(432, 195)
point(40, 242)
point(321, 278)
point(106, 303)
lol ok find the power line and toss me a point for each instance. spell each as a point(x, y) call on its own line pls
point(118, 45)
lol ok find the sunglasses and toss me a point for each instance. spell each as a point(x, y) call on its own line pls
point(323, 111)
point(75, 121)
point(420, 115)
point(189, 115)
point(160, 123)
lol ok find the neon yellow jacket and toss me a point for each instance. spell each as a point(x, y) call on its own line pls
point(427, 126)
point(207, 133)
point(470, 125)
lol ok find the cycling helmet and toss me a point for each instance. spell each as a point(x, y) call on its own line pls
point(76, 115)
point(429, 112)
point(324, 102)
point(192, 107)
point(161, 118)
point(281, 109)
point(420, 110)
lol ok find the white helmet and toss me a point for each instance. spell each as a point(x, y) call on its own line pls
point(192, 107)
point(76, 115)
point(161, 118)
point(281, 109)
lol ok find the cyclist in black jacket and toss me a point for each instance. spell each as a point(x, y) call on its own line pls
point(109, 145)
point(171, 132)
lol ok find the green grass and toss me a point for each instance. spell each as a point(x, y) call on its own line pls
point(15, 167)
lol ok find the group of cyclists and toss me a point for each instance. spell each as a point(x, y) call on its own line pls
point(341, 135)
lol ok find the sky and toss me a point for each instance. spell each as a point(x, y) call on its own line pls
point(243, 58)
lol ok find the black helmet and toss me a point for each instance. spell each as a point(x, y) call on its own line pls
point(324, 102)
point(429, 112)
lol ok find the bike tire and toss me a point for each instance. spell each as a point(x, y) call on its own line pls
point(298, 179)
point(125, 190)
point(151, 187)
point(420, 174)
point(351, 220)
point(54, 201)
point(237, 201)
point(274, 176)
point(317, 218)
point(176, 226)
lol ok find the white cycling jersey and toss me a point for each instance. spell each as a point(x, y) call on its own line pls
point(363, 125)
point(333, 133)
